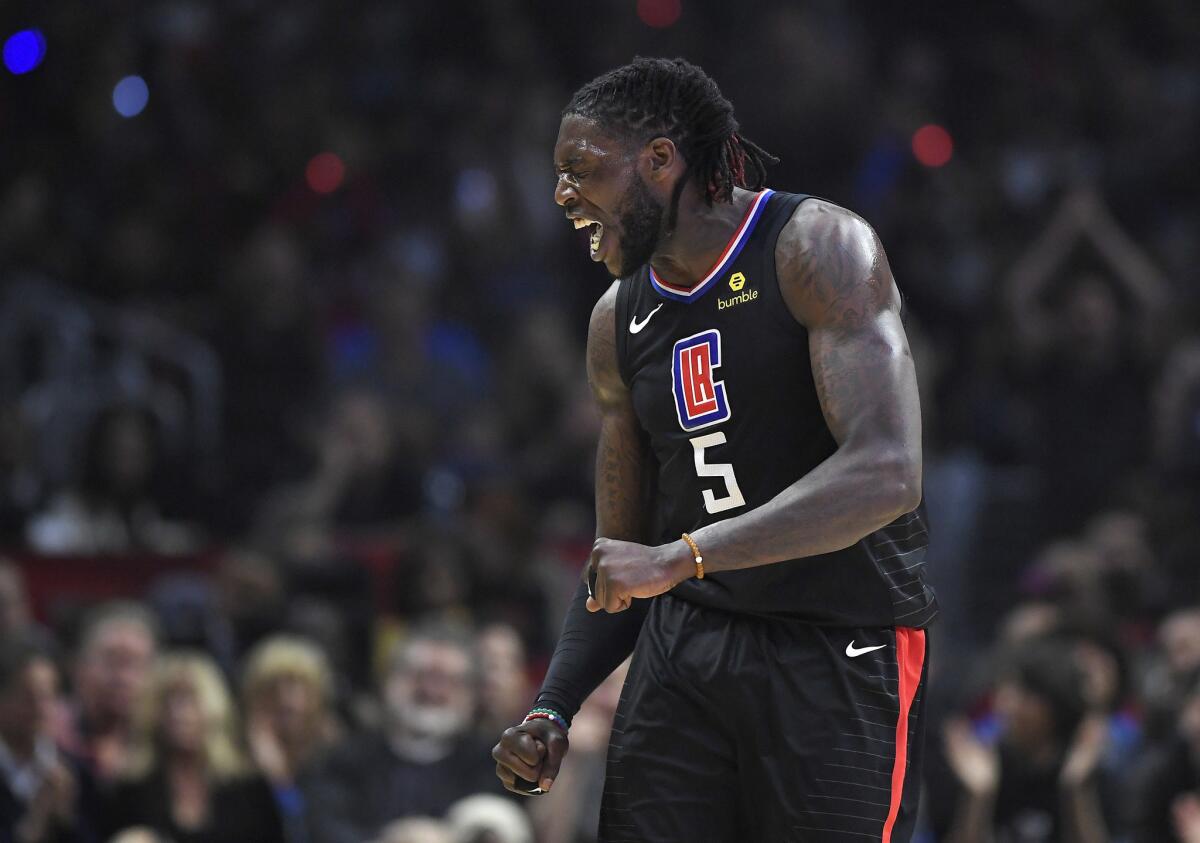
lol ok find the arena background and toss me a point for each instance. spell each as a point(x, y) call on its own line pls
point(291, 343)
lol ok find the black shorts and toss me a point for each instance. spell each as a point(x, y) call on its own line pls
point(739, 729)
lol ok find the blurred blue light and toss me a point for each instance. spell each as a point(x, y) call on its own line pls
point(476, 191)
point(24, 50)
point(130, 96)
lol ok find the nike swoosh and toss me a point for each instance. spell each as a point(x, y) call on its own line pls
point(855, 652)
point(635, 325)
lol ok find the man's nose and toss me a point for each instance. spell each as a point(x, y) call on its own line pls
point(564, 191)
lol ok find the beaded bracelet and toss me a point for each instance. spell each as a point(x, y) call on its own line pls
point(548, 714)
point(696, 555)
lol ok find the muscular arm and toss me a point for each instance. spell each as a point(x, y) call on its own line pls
point(836, 281)
point(591, 646)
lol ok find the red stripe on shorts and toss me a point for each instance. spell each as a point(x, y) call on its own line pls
point(910, 659)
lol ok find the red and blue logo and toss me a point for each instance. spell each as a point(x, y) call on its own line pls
point(700, 399)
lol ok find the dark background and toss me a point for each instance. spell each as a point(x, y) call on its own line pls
point(374, 385)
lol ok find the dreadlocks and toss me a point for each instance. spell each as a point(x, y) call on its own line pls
point(674, 98)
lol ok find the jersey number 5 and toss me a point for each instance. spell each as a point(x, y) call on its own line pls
point(733, 495)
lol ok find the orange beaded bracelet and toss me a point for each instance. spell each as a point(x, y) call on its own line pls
point(695, 552)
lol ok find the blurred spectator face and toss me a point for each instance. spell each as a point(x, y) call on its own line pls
point(1027, 717)
point(486, 818)
point(1121, 539)
point(416, 830)
point(251, 593)
point(27, 703)
point(268, 279)
point(1092, 320)
point(430, 692)
point(14, 603)
point(291, 704)
point(115, 668)
point(1189, 722)
point(125, 454)
point(186, 713)
point(505, 688)
point(1177, 410)
point(1179, 636)
point(362, 430)
point(183, 722)
point(137, 835)
point(1101, 675)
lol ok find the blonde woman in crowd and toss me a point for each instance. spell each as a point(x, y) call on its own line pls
point(287, 692)
point(186, 779)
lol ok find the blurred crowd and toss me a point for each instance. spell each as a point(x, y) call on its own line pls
point(331, 451)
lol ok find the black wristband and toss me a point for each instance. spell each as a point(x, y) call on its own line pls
point(591, 647)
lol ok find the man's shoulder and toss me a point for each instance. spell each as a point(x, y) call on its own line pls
point(816, 221)
point(831, 266)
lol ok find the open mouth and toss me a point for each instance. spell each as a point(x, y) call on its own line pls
point(597, 237)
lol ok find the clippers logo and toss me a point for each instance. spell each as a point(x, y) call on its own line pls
point(700, 400)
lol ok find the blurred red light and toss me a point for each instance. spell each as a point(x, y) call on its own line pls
point(932, 145)
point(325, 172)
point(659, 13)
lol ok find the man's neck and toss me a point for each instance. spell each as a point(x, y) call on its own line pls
point(701, 234)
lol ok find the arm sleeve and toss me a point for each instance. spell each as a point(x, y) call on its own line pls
point(591, 647)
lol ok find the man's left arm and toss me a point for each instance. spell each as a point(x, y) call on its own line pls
point(836, 281)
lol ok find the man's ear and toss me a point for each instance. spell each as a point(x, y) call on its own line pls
point(661, 158)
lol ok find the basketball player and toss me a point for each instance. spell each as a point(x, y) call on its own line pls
point(760, 543)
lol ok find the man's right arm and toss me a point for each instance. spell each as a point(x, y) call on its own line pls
point(592, 645)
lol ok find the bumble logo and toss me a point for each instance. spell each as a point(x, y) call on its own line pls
point(736, 282)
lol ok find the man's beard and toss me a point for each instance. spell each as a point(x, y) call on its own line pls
point(640, 216)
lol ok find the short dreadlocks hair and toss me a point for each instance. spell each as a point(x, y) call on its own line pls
point(674, 98)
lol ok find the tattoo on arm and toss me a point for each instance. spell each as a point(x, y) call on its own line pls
point(836, 282)
point(622, 453)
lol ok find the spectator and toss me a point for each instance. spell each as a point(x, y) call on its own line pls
point(484, 818)
point(416, 830)
point(139, 834)
point(117, 648)
point(287, 691)
point(39, 788)
point(1037, 784)
point(15, 619)
point(1164, 799)
point(427, 757)
point(114, 508)
point(505, 690)
point(186, 778)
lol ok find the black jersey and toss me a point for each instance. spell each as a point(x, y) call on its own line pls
point(722, 384)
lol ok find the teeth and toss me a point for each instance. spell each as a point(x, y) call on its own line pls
point(583, 222)
point(597, 233)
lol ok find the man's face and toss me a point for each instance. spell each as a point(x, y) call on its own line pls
point(115, 668)
point(599, 182)
point(431, 691)
point(27, 704)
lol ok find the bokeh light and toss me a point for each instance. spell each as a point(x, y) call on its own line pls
point(130, 96)
point(325, 172)
point(659, 13)
point(24, 50)
point(932, 145)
